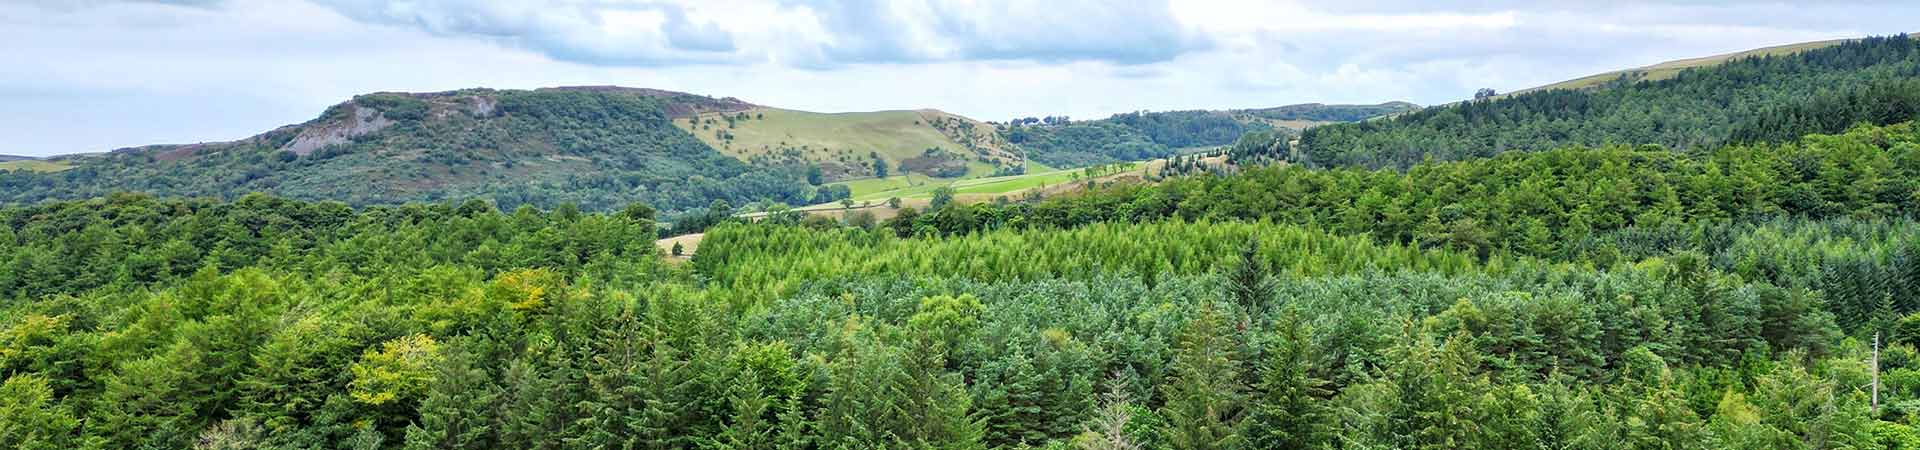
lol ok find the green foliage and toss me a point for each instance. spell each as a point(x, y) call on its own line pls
point(1652, 313)
point(942, 197)
point(779, 257)
point(1556, 204)
point(400, 371)
point(31, 419)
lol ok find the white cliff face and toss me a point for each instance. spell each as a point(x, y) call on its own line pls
point(363, 121)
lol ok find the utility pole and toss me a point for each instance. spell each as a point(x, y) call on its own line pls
point(1875, 405)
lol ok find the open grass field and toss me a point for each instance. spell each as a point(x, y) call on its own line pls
point(923, 187)
point(882, 188)
point(36, 165)
point(841, 137)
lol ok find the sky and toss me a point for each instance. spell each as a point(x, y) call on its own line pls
point(94, 75)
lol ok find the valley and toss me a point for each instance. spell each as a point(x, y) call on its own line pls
point(1713, 253)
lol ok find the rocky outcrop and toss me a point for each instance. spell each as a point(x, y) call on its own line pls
point(363, 121)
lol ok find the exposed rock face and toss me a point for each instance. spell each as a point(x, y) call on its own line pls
point(363, 121)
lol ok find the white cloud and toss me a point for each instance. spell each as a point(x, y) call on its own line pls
point(91, 75)
point(813, 33)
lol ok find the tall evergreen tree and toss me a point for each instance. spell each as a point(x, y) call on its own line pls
point(1287, 410)
point(1204, 398)
point(1248, 283)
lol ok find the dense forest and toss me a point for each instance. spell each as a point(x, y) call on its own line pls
point(1729, 259)
point(1125, 137)
point(1136, 136)
point(1547, 204)
point(1619, 297)
point(1874, 80)
point(597, 148)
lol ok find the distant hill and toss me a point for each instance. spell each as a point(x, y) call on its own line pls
point(937, 144)
point(1765, 95)
point(599, 147)
point(1319, 114)
point(604, 147)
point(1150, 135)
point(6, 158)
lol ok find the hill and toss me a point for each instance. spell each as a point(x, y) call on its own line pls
point(600, 147)
point(1768, 95)
point(11, 158)
point(1307, 115)
point(1670, 69)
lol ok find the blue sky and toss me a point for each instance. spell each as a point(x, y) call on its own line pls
point(93, 75)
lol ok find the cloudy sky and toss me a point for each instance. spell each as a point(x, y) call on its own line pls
point(92, 75)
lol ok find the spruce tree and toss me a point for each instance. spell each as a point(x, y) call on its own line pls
point(454, 414)
point(1247, 283)
point(1204, 397)
point(1287, 411)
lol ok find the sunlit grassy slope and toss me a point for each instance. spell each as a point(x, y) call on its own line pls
point(846, 138)
point(1670, 69)
point(923, 187)
point(36, 165)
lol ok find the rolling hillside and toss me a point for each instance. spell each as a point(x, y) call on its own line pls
point(604, 147)
point(1766, 95)
point(1670, 69)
